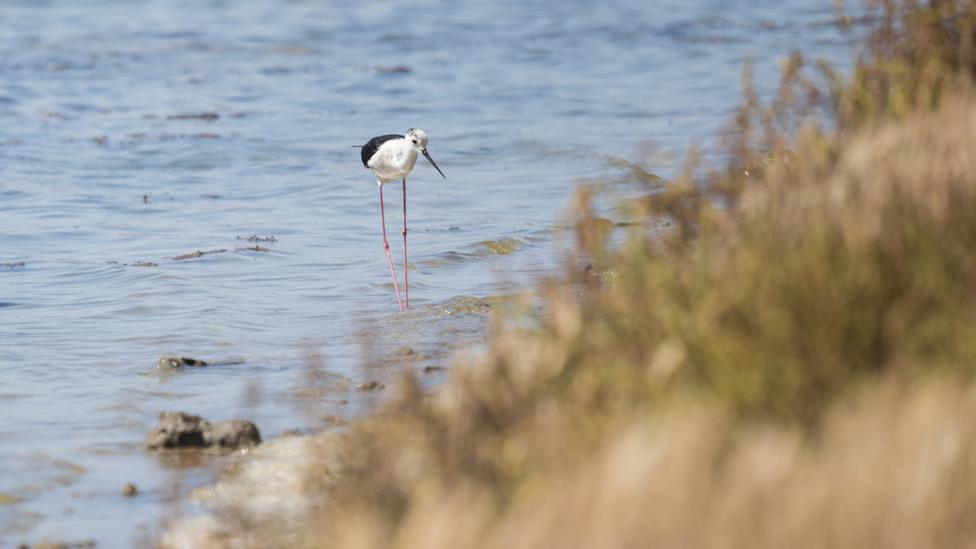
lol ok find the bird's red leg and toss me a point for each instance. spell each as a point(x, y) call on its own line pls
point(406, 267)
point(386, 248)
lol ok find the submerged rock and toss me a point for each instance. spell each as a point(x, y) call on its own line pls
point(175, 362)
point(466, 305)
point(234, 433)
point(198, 253)
point(253, 249)
point(256, 238)
point(502, 246)
point(182, 430)
point(392, 69)
point(370, 386)
point(168, 364)
point(206, 116)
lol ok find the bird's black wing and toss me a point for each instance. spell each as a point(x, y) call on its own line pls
point(373, 145)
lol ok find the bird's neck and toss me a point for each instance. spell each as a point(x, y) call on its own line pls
point(407, 155)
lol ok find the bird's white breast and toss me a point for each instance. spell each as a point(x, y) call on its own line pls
point(393, 160)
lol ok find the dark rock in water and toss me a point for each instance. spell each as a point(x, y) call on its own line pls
point(177, 430)
point(253, 249)
point(198, 253)
point(181, 430)
point(175, 362)
point(393, 69)
point(129, 490)
point(234, 433)
point(256, 238)
point(370, 386)
point(207, 116)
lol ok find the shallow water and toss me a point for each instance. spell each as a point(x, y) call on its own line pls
point(136, 132)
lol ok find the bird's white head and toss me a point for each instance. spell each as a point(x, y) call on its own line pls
point(418, 139)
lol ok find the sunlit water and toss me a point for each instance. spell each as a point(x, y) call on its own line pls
point(135, 132)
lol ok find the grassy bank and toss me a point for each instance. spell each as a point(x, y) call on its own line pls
point(789, 364)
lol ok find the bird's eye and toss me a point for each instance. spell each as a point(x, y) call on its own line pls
point(414, 141)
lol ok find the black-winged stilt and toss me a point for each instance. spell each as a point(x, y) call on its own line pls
point(391, 157)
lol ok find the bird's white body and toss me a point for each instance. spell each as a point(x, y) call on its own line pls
point(393, 160)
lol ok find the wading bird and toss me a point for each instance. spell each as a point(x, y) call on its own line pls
point(391, 157)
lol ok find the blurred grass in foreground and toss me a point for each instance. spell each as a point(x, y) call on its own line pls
point(788, 365)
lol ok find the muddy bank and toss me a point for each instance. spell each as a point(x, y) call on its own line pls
point(266, 491)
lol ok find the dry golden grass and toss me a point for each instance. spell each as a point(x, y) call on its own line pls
point(892, 467)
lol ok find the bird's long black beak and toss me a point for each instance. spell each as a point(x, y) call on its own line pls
point(432, 163)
